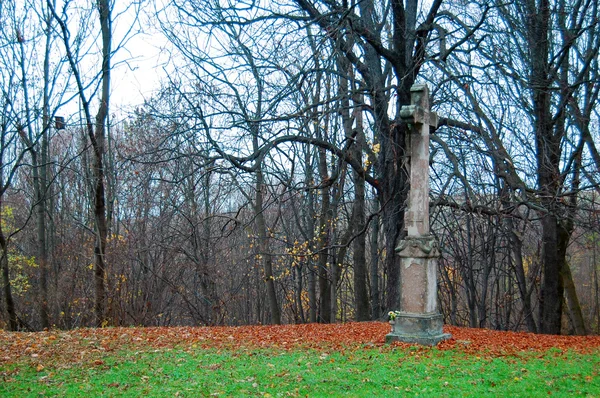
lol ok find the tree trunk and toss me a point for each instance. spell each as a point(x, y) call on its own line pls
point(374, 270)
point(394, 193)
point(98, 143)
point(548, 158)
point(42, 257)
point(552, 287)
point(361, 294)
point(323, 266)
point(310, 225)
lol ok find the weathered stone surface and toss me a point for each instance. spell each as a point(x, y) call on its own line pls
point(425, 246)
point(423, 329)
point(419, 321)
point(419, 116)
point(418, 273)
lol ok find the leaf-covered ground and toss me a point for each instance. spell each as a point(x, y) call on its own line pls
point(88, 346)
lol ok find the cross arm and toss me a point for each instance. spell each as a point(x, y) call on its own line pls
point(419, 112)
point(414, 114)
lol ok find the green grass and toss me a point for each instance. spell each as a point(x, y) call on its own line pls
point(359, 372)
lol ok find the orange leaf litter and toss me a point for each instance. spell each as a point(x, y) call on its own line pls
point(86, 344)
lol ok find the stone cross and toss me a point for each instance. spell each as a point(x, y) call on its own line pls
point(418, 320)
point(419, 117)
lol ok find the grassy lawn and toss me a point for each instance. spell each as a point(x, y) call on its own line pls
point(358, 372)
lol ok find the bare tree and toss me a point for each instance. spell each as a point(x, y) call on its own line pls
point(96, 133)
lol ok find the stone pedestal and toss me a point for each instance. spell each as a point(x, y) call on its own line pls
point(425, 329)
point(418, 321)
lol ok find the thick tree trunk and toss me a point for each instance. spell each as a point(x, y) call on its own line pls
point(323, 243)
point(374, 269)
point(392, 200)
point(548, 158)
point(552, 287)
point(361, 294)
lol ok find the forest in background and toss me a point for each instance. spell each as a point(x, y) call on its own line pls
point(264, 181)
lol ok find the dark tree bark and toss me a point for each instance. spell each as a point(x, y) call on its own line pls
point(361, 294)
point(97, 136)
point(323, 266)
point(374, 269)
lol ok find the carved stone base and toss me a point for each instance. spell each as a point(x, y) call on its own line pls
point(418, 274)
point(425, 329)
